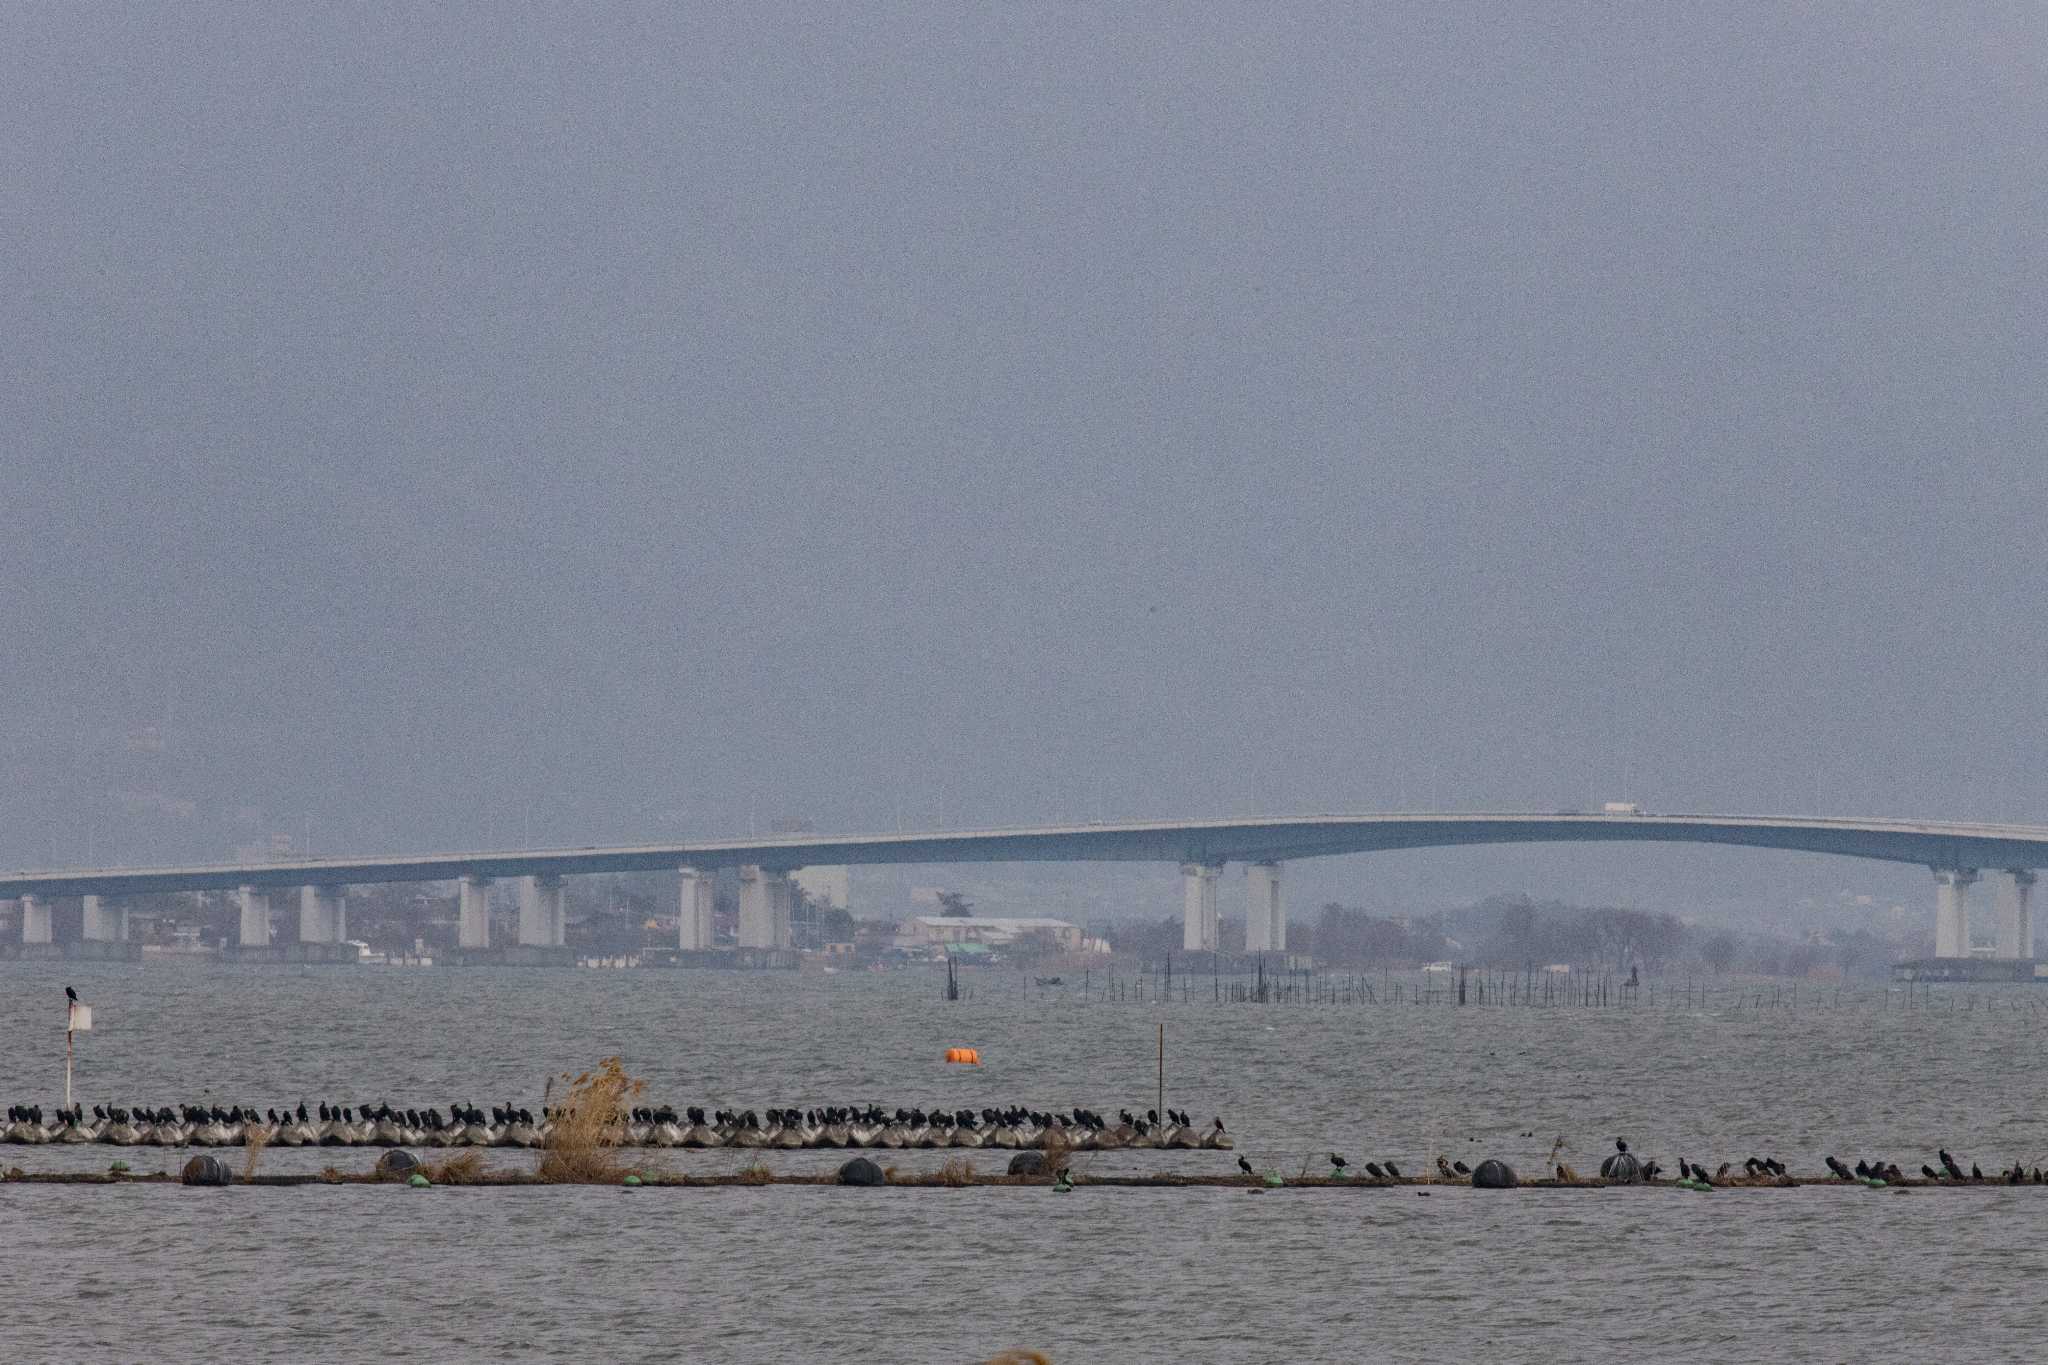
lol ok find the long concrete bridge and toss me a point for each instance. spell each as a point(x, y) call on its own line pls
point(1957, 854)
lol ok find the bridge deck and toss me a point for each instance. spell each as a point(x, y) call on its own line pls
point(1931, 843)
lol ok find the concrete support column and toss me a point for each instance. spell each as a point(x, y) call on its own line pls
point(473, 923)
point(1265, 917)
point(540, 912)
point(323, 917)
point(35, 920)
point(756, 926)
point(2016, 913)
point(1198, 886)
point(693, 924)
point(255, 917)
point(782, 902)
point(1952, 910)
point(105, 923)
point(765, 901)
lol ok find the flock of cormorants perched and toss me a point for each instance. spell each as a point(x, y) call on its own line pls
point(508, 1125)
point(1623, 1167)
point(850, 1126)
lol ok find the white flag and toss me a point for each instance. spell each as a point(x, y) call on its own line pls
point(81, 1018)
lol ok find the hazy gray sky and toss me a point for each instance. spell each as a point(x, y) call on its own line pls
point(655, 414)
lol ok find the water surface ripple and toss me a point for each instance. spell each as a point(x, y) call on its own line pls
point(350, 1273)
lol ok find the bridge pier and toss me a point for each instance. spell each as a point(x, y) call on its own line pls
point(473, 912)
point(35, 920)
point(105, 923)
point(1198, 893)
point(693, 925)
point(255, 927)
point(2016, 913)
point(542, 923)
point(1265, 916)
point(765, 901)
point(1952, 910)
point(323, 915)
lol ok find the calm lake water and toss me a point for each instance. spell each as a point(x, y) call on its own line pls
point(954, 1275)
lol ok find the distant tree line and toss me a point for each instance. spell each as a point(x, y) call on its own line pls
point(1516, 932)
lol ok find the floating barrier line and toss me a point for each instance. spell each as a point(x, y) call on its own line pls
point(934, 1180)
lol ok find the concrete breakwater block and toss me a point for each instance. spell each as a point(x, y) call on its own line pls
point(1029, 1163)
point(1493, 1175)
point(861, 1171)
point(397, 1164)
point(206, 1170)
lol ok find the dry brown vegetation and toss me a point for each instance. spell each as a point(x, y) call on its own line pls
point(465, 1168)
point(957, 1172)
point(1054, 1147)
point(754, 1173)
point(253, 1152)
point(582, 1147)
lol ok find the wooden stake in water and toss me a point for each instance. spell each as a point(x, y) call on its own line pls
point(1162, 1072)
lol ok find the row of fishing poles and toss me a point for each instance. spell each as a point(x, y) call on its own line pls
point(1503, 989)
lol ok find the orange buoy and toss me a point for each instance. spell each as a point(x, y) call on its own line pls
point(965, 1055)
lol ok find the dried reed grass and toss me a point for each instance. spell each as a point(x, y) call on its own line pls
point(957, 1172)
point(465, 1168)
point(1054, 1147)
point(252, 1155)
point(581, 1147)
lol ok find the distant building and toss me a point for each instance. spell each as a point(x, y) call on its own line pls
point(925, 931)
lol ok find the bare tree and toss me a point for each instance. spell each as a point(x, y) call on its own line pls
point(1718, 952)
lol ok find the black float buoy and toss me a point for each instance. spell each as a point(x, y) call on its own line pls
point(1029, 1163)
point(396, 1164)
point(206, 1170)
point(1493, 1175)
point(861, 1171)
point(1622, 1168)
